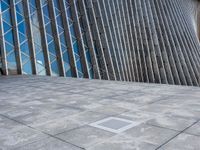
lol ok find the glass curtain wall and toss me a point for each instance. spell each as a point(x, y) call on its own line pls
point(62, 38)
point(8, 37)
point(23, 37)
point(74, 40)
point(35, 27)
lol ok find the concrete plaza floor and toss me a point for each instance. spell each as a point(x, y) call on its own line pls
point(54, 113)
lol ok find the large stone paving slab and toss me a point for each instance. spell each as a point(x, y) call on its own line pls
point(13, 134)
point(48, 144)
point(55, 113)
point(85, 136)
point(183, 142)
point(195, 129)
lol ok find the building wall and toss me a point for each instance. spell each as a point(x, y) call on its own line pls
point(127, 40)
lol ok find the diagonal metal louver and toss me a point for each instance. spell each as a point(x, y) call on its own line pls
point(149, 41)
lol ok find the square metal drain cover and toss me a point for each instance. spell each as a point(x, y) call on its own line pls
point(113, 124)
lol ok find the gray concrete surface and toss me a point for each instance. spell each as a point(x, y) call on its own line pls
point(51, 113)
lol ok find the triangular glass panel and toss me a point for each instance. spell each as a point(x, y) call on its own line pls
point(75, 47)
point(73, 39)
point(6, 27)
point(27, 68)
point(67, 66)
point(22, 28)
point(45, 10)
point(24, 57)
point(68, 73)
point(52, 57)
point(66, 57)
point(63, 48)
point(37, 48)
point(4, 6)
point(70, 21)
point(34, 19)
point(40, 68)
point(77, 57)
point(72, 31)
point(22, 37)
point(20, 18)
point(43, 2)
point(32, 9)
point(46, 20)
point(6, 1)
point(60, 29)
point(6, 16)
point(51, 48)
point(67, 3)
point(69, 12)
point(19, 8)
point(9, 37)
point(42, 72)
point(80, 74)
point(57, 11)
point(8, 47)
point(32, 2)
point(48, 29)
point(11, 58)
point(49, 38)
point(24, 48)
point(62, 39)
point(54, 68)
point(40, 58)
point(17, 1)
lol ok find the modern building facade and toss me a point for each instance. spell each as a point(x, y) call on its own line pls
point(153, 41)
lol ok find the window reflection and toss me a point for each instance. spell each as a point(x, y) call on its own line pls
point(25, 47)
point(87, 53)
point(50, 40)
point(62, 38)
point(40, 65)
point(8, 36)
point(23, 40)
point(74, 40)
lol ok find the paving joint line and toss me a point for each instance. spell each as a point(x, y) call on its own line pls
point(176, 135)
point(41, 132)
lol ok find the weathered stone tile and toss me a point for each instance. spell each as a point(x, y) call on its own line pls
point(87, 117)
point(183, 142)
point(85, 136)
point(150, 134)
point(48, 144)
point(172, 122)
point(195, 129)
point(48, 115)
point(109, 110)
point(13, 134)
point(56, 126)
point(123, 142)
point(171, 111)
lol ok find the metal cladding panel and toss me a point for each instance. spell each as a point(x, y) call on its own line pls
point(126, 40)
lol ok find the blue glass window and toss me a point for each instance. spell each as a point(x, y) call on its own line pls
point(50, 40)
point(87, 53)
point(7, 27)
point(6, 16)
point(62, 38)
point(4, 6)
point(40, 64)
point(23, 40)
point(74, 40)
point(9, 47)
point(9, 37)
